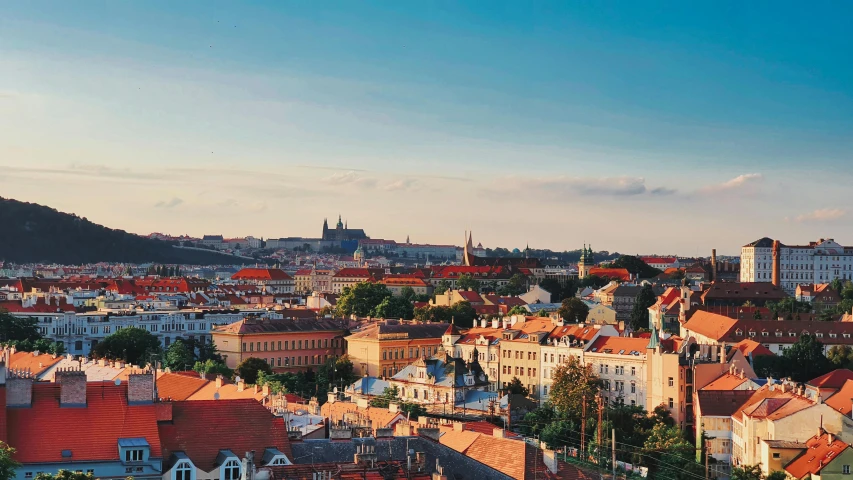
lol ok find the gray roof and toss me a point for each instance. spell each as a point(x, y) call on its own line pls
point(447, 371)
point(410, 330)
point(369, 386)
point(456, 465)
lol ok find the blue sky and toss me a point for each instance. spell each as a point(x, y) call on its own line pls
point(670, 127)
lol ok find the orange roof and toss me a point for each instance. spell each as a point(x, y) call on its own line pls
point(620, 273)
point(711, 325)
point(726, 381)
point(381, 417)
point(820, 452)
point(40, 433)
point(174, 386)
point(751, 347)
point(842, 400)
point(261, 274)
point(504, 455)
point(30, 362)
point(229, 391)
point(619, 345)
point(834, 379)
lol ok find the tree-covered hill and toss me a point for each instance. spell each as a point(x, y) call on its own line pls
point(31, 233)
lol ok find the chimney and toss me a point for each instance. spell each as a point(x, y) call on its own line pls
point(549, 458)
point(140, 388)
point(713, 265)
point(458, 427)
point(439, 472)
point(495, 323)
point(777, 259)
point(19, 389)
point(218, 382)
point(498, 433)
point(72, 388)
point(483, 323)
point(241, 385)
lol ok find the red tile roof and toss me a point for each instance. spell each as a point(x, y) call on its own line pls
point(174, 386)
point(200, 429)
point(620, 273)
point(619, 345)
point(40, 433)
point(261, 274)
point(820, 452)
point(750, 347)
point(834, 379)
point(842, 400)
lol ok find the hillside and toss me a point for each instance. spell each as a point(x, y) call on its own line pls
point(32, 233)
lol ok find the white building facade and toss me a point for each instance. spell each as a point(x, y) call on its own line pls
point(818, 262)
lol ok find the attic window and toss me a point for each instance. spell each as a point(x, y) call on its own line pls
point(819, 335)
point(765, 334)
point(739, 332)
point(778, 333)
point(751, 333)
point(832, 335)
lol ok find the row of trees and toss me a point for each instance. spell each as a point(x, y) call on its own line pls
point(165, 271)
point(23, 333)
point(375, 300)
point(461, 313)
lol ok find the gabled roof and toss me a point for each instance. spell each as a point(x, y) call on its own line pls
point(255, 326)
point(620, 273)
point(820, 452)
point(178, 387)
point(261, 274)
point(832, 380)
point(842, 400)
point(750, 347)
point(201, 429)
point(40, 433)
point(727, 381)
point(721, 403)
point(710, 324)
point(619, 346)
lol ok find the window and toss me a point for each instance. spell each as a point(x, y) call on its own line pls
point(845, 469)
point(133, 455)
point(776, 455)
point(671, 382)
point(671, 403)
point(633, 371)
point(633, 387)
point(231, 470)
point(28, 474)
point(183, 471)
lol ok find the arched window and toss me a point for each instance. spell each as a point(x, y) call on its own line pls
point(184, 471)
point(231, 470)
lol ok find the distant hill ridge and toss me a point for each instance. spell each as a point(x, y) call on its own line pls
point(31, 233)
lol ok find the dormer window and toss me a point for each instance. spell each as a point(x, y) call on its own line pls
point(231, 470)
point(184, 470)
point(739, 332)
point(778, 333)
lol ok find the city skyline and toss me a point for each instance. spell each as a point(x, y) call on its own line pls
point(667, 129)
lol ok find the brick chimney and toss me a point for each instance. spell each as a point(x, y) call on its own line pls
point(777, 259)
point(140, 388)
point(72, 388)
point(19, 389)
point(498, 433)
point(713, 264)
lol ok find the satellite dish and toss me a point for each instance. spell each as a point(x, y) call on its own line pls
point(216, 396)
point(118, 381)
point(237, 379)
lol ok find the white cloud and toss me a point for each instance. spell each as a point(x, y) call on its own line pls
point(821, 215)
point(606, 186)
point(402, 184)
point(741, 181)
point(351, 177)
point(174, 202)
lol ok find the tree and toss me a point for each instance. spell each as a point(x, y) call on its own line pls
point(841, 356)
point(463, 314)
point(770, 366)
point(635, 266)
point(573, 310)
point(390, 394)
point(516, 285)
point(249, 369)
point(777, 475)
point(466, 281)
point(334, 372)
point(747, 472)
point(68, 475)
point(806, 359)
point(134, 345)
point(671, 456)
point(178, 356)
point(573, 382)
point(361, 299)
point(640, 314)
point(555, 433)
point(394, 307)
point(517, 310)
point(408, 294)
point(515, 387)
point(210, 367)
point(14, 328)
point(756, 314)
point(442, 288)
point(8, 464)
point(788, 307)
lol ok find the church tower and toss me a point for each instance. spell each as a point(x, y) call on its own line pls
point(468, 251)
point(586, 261)
point(339, 230)
point(325, 229)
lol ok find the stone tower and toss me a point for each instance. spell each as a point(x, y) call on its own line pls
point(586, 261)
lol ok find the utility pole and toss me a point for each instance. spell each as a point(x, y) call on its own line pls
point(613, 451)
point(583, 427)
point(706, 460)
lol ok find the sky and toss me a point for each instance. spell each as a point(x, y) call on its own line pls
point(638, 127)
